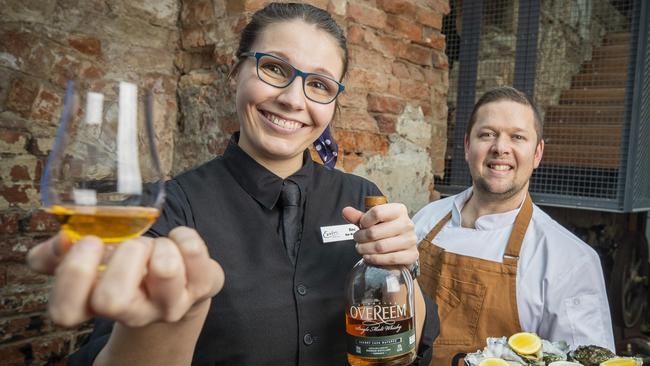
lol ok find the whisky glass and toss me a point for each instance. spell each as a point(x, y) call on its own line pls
point(103, 174)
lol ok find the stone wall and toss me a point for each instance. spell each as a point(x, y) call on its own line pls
point(391, 128)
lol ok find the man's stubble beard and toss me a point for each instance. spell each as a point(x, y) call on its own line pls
point(484, 189)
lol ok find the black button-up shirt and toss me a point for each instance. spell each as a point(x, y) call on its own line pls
point(269, 311)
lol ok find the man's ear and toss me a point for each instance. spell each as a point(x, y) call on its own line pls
point(466, 144)
point(539, 151)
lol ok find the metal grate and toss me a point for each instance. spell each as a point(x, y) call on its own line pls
point(574, 58)
point(641, 122)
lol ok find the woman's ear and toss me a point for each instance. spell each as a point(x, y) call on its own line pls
point(232, 75)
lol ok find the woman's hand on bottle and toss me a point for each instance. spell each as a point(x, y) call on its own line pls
point(146, 280)
point(386, 234)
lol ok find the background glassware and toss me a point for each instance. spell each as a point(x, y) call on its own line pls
point(103, 175)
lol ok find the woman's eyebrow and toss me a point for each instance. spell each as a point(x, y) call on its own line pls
point(284, 57)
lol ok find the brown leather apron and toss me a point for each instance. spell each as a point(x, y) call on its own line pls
point(476, 298)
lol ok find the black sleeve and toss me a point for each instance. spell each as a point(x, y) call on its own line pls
point(94, 344)
point(176, 212)
point(430, 332)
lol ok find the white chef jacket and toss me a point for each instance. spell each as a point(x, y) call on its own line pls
point(560, 287)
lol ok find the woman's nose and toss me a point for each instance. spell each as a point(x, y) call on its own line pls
point(293, 95)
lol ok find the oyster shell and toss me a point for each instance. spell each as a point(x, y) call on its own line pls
point(591, 355)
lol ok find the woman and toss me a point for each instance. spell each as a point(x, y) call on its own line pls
point(282, 299)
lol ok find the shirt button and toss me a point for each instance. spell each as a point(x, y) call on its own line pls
point(308, 339)
point(302, 289)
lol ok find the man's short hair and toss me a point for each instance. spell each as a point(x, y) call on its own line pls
point(510, 94)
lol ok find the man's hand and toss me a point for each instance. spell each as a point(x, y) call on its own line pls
point(386, 234)
point(146, 280)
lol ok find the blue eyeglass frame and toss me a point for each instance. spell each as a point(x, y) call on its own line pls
point(296, 73)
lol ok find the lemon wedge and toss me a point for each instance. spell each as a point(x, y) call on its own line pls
point(493, 362)
point(619, 362)
point(525, 343)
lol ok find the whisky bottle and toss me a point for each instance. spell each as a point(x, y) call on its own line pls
point(380, 312)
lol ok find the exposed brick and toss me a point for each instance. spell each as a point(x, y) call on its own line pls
point(47, 105)
point(15, 194)
point(439, 60)
point(416, 73)
point(16, 354)
point(400, 7)
point(13, 141)
point(416, 54)
point(21, 168)
point(338, 7)
point(429, 18)
point(354, 98)
point(400, 70)
point(349, 160)
point(405, 27)
point(20, 274)
point(19, 173)
point(195, 36)
point(393, 85)
point(367, 80)
point(22, 94)
point(14, 248)
point(238, 6)
point(387, 123)
point(89, 70)
point(8, 223)
point(366, 15)
point(385, 104)
point(411, 89)
point(40, 222)
point(21, 327)
point(370, 59)
point(357, 120)
point(361, 142)
point(433, 38)
point(85, 44)
point(25, 300)
point(197, 12)
point(356, 34)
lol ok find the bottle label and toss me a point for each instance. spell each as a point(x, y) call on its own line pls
point(381, 347)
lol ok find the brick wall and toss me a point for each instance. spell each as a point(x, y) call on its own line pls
point(391, 128)
point(393, 118)
point(42, 44)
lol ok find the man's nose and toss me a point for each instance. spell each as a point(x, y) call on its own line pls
point(501, 145)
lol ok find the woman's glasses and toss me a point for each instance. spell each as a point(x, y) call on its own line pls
point(280, 74)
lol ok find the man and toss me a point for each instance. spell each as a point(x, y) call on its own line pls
point(495, 262)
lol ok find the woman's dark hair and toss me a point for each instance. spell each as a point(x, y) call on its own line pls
point(510, 94)
point(281, 12)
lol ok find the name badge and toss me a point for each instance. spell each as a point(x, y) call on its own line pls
point(335, 233)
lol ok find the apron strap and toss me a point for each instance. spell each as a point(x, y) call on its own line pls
point(516, 238)
point(519, 229)
point(436, 229)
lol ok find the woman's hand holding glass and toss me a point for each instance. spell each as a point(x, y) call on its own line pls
point(386, 234)
point(146, 280)
point(104, 183)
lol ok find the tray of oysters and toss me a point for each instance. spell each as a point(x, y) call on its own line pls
point(528, 349)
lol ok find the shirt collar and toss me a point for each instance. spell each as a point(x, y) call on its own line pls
point(485, 222)
point(259, 182)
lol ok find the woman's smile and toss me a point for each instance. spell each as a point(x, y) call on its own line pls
point(280, 123)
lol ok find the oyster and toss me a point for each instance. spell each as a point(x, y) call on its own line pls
point(549, 357)
point(591, 355)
